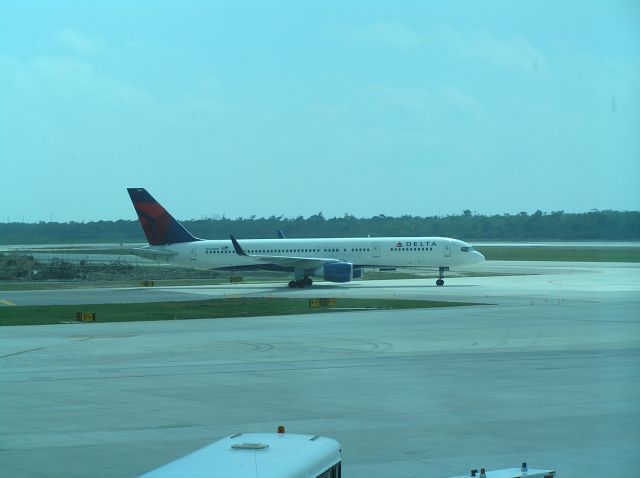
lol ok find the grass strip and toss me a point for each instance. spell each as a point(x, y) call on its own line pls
point(560, 253)
point(201, 309)
point(84, 252)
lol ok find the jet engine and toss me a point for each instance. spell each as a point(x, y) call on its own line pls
point(336, 272)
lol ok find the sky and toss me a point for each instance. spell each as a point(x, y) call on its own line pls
point(288, 108)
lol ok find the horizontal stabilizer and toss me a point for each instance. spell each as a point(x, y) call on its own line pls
point(153, 254)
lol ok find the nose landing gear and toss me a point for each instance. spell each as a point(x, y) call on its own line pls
point(441, 271)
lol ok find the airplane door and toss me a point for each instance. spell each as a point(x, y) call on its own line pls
point(447, 249)
point(376, 249)
point(193, 253)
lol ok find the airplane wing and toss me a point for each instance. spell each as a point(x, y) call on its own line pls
point(285, 261)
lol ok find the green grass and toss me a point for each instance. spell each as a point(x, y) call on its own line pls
point(112, 251)
point(214, 309)
point(560, 253)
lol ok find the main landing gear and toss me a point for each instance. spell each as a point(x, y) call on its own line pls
point(440, 281)
point(301, 283)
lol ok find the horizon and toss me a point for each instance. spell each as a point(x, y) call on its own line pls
point(345, 216)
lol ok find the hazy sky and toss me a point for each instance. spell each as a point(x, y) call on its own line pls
point(292, 108)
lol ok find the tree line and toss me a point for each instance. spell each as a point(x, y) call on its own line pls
point(539, 226)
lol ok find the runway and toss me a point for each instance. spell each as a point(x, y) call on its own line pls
point(545, 371)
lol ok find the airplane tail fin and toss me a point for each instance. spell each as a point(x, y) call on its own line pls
point(158, 225)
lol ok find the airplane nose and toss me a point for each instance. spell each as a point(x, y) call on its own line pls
point(478, 258)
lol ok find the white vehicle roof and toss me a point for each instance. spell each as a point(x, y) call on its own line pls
point(263, 455)
point(512, 473)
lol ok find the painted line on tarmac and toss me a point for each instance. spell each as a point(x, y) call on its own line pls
point(6, 302)
point(21, 352)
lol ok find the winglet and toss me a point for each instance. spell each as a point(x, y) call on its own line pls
point(237, 247)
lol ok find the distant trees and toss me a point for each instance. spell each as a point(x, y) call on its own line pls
point(557, 225)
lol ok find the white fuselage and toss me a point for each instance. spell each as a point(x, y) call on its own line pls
point(373, 252)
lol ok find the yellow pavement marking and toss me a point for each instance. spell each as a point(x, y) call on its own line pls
point(6, 302)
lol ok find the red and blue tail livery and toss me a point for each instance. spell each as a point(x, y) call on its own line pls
point(158, 225)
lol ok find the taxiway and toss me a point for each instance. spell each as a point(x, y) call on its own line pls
point(546, 371)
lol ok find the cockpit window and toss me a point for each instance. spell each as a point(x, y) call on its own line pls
point(466, 248)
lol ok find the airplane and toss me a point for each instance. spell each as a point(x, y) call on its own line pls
point(336, 260)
